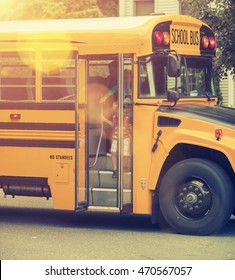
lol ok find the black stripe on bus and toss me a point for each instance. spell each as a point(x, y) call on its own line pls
point(37, 126)
point(23, 181)
point(37, 143)
point(40, 106)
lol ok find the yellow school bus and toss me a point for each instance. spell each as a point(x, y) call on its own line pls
point(117, 115)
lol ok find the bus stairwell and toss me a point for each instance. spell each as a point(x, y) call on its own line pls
point(102, 185)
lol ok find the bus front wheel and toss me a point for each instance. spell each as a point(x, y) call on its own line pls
point(196, 197)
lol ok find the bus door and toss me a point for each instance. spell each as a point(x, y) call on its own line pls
point(124, 139)
point(81, 194)
point(109, 132)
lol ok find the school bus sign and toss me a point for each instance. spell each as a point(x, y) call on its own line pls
point(185, 38)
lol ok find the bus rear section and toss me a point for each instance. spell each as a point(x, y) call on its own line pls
point(56, 133)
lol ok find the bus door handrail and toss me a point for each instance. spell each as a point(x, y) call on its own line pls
point(101, 135)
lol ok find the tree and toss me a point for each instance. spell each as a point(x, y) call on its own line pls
point(34, 9)
point(109, 8)
point(219, 15)
point(82, 9)
point(55, 9)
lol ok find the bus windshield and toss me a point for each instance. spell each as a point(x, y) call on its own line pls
point(196, 79)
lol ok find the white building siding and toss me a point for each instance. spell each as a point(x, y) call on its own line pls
point(224, 91)
point(126, 8)
point(232, 91)
point(169, 7)
point(227, 87)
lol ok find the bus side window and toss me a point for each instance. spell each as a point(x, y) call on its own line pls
point(17, 76)
point(58, 76)
point(53, 84)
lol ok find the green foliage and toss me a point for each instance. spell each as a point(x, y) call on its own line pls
point(82, 9)
point(54, 9)
point(109, 8)
point(219, 15)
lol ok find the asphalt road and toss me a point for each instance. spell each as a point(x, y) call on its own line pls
point(31, 229)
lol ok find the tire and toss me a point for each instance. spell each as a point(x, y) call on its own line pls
point(196, 197)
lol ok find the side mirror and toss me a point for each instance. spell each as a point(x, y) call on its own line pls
point(173, 66)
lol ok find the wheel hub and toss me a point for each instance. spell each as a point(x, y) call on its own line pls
point(193, 199)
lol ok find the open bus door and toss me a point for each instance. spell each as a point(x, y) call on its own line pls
point(125, 117)
point(106, 189)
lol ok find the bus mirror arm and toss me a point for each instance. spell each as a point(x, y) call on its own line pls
point(173, 96)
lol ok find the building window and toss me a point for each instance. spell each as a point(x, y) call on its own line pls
point(144, 7)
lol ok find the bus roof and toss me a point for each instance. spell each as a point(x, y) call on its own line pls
point(116, 34)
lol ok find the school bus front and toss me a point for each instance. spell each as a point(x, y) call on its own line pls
point(189, 163)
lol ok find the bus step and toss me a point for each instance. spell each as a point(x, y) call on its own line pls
point(103, 162)
point(96, 208)
point(101, 179)
point(106, 180)
point(104, 196)
point(103, 188)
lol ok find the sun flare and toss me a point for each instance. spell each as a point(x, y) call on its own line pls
point(5, 2)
